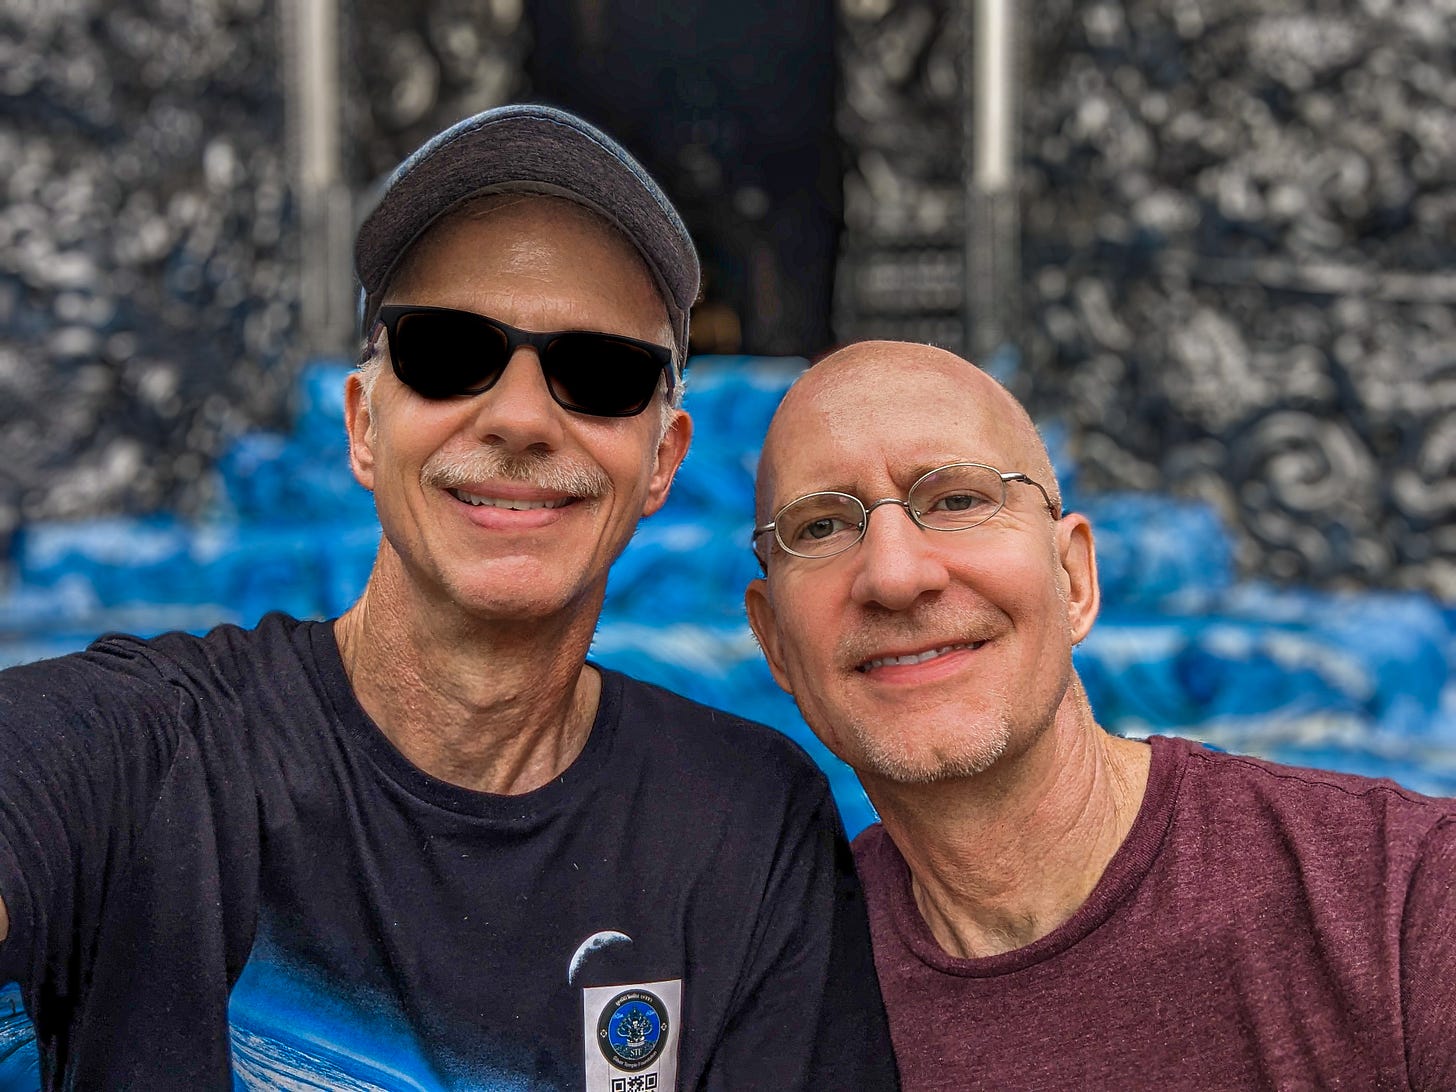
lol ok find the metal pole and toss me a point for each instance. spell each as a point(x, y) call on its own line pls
point(311, 47)
point(995, 95)
point(993, 243)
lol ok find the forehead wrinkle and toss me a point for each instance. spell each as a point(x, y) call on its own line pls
point(526, 228)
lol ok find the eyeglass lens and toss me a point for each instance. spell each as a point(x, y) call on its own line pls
point(951, 498)
point(443, 354)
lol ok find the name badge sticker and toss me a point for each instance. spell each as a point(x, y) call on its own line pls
point(630, 1035)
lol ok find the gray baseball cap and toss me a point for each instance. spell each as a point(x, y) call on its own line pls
point(528, 149)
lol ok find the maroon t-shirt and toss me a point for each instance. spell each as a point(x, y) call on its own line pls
point(1262, 926)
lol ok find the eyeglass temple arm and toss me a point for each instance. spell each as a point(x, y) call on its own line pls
point(758, 532)
point(1054, 509)
point(371, 341)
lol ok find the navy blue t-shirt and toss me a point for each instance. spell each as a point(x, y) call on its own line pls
point(220, 874)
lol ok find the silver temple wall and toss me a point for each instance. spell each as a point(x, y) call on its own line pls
point(1238, 242)
point(1238, 255)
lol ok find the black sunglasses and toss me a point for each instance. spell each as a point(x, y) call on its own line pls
point(440, 352)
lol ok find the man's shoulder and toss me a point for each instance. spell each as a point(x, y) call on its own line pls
point(122, 669)
point(1326, 803)
point(1279, 779)
point(701, 736)
point(886, 881)
point(226, 650)
point(875, 855)
point(870, 842)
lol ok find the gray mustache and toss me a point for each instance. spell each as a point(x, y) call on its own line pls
point(537, 469)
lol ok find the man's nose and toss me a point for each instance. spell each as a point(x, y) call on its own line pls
point(519, 412)
point(896, 560)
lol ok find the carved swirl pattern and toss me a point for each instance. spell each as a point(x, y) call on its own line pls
point(1238, 223)
point(147, 286)
point(1239, 231)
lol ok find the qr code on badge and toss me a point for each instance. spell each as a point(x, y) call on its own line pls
point(642, 1082)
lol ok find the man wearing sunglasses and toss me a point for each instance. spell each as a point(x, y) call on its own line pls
point(426, 845)
point(1054, 907)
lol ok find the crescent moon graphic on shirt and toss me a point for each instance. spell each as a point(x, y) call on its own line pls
point(594, 943)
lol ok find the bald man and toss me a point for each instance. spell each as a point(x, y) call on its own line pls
point(1053, 906)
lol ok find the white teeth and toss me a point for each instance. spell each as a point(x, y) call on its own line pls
point(915, 657)
point(513, 505)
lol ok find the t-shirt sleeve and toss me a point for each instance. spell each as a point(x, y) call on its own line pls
point(1428, 964)
point(79, 747)
point(808, 1013)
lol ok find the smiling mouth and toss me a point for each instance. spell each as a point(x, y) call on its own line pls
point(917, 657)
point(510, 503)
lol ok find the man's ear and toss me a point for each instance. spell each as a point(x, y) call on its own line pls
point(764, 624)
point(1078, 557)
point(359, 424)
point(671, 450)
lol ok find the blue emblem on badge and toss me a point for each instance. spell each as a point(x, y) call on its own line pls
point(633, 1029)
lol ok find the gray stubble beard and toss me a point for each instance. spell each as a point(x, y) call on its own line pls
point(882, 758)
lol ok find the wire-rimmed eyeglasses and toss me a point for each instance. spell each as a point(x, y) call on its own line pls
point(955, 497)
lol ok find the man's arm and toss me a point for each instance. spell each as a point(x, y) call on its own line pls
point(808, 1013)
point(80, 749)
point(1428, 954)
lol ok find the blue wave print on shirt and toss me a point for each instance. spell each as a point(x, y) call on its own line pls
point(19, 1058)
point(293, 1030)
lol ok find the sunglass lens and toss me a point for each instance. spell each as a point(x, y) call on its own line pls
point(442, 354)
point(600, 375)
